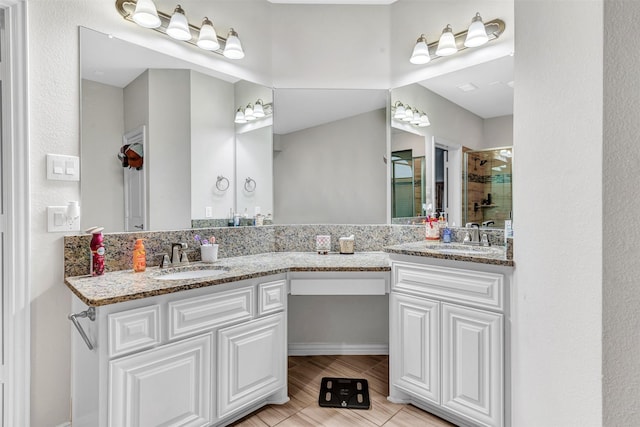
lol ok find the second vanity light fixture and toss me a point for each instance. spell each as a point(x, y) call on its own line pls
point(407, 114)
point(176, 26)
point(476, 35)
point(251, 112)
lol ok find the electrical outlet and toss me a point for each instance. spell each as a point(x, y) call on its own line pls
point(57, 220)
point(208, 212)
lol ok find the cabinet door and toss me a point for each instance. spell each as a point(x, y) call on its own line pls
point(472, 363)
point(415, 346)
point(252, 362)
point(169, 386)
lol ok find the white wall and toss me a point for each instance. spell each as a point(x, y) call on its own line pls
point(557, 188)
point(101, 171)
point(497, 132)
point(317, 46)
point(254, 154)
point(333, 173)
point(169, 150)
point(621, 205)
point(212, 145)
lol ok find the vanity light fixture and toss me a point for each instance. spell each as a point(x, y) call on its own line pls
point(409, 115)
point(253, 111)
point(478, 34)
point(208, 39)
point(176, 26)
point(146, 14)
point(447, 43)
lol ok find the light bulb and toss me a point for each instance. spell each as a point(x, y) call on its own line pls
point(258, 110)
point(240, 116)
point(400, 112)
point(477, 33)
point(420, 53)
point(178, 26)
point(447, 44)
point(208, 38)
point(248, 112)
point(233, 47)
point(146, 14)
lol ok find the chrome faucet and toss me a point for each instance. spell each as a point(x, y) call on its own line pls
point(177, 253)
point(474, 234)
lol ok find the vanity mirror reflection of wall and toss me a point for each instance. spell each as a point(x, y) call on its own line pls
point(474, 119)
point(187, 112)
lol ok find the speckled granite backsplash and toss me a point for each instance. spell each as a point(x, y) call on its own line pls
point(237, 241)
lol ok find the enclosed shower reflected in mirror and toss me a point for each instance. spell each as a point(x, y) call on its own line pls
point(487, 187)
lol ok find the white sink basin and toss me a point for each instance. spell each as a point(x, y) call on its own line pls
point(191, 274)
point(465, 249)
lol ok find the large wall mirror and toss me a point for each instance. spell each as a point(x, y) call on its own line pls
point(159, 146)
point(329, 159)
point(470, 111)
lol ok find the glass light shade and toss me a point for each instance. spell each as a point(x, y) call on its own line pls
point(233, 48)
point(424, 121)
point(208, 38)
point(416, 118)
point(420, 53)
point(240, 117)
point(447, 43)
point(146, 14)
point(258, 110)
point(178, 26)
point(477, 33)
point(400, 111)
point(408, 115)
point(248, 112)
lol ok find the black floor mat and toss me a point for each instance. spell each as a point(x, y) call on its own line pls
point(349, 393)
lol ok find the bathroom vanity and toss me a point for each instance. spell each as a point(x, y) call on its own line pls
point(449, 333)
point(197, 351)
point(206, 344)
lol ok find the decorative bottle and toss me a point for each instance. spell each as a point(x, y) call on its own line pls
point(97, 252)
point(139, 257)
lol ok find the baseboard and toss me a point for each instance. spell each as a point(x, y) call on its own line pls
point(67, 424)
point(322, 349)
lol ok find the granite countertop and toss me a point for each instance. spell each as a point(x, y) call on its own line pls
point(494, 255)
point(125, 285)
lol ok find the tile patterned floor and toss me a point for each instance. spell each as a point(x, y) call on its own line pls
point(305, 374)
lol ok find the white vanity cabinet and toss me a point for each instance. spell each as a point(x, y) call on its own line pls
point(448, 339)
point(201, 357)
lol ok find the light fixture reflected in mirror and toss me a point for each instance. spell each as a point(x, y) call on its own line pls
point(253, 111)
point(176, 26)
point(409, 115)
point(478, 34)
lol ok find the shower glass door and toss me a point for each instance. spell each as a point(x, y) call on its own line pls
point(487, 187)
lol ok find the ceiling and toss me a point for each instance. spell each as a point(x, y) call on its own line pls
point(491, 83)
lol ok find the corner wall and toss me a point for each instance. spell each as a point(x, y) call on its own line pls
point(557, 297)
point(621, 205)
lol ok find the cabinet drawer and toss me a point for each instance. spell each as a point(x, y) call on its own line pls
point(133, 330)
point(199, 314)
point(271, 297)
point(453, 284)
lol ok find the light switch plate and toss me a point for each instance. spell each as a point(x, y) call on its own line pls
point(208, 212)
point(57, 220)
point(63, 168)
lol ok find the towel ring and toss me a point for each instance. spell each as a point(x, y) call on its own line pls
point(222, 183)
point(250, 185)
